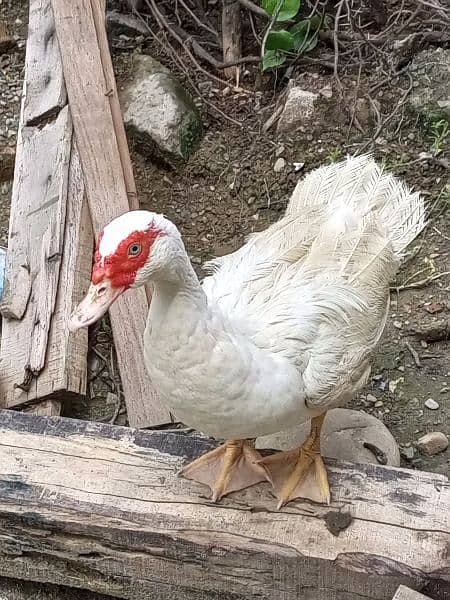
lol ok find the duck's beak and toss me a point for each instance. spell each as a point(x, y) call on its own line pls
point(95, 304)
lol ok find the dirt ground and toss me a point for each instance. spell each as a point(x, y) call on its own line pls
point(229, 188)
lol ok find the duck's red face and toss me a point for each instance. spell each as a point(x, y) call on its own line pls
point(122, 249)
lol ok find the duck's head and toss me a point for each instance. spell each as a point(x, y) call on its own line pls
point(130, 251)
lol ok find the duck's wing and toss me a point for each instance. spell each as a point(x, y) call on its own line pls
point(314, 287)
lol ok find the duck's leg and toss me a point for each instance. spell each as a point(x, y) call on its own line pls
point(290, 471)
point(228, 468)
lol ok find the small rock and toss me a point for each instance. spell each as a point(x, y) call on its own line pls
point(434, 307)
point(378, 403)
point(433, 443)
point(279, 165)
point(326, 92)
point(298, 166)
point(371, 398)
point(159, 114)
point(397, 324)
point(299, 108)
point(119, 24)
point(279, 151)
point(431, 404)
point(408, 452)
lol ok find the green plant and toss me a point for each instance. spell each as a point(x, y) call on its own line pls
point(394, 164)
point(279, 44)
point(334, 155)
point(439, 130)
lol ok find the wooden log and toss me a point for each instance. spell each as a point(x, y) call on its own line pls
point(405, 593)
point(13, 589)
point(50, 239)
point(231, 35)
point(106, 192)
point(102, 508)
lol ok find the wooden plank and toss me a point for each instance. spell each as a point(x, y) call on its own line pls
point(13, 589)
point(50, 238)
point(405, 593)
point(47, 408)
point(101, 507)
point(98, 13)
point(106, 192)
point(45, 91)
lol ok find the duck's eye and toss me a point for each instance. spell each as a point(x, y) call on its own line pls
point(134, 249)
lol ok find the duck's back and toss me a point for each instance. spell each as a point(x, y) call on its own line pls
point(314, 287)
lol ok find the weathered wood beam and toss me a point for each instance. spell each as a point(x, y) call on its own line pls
point(106, 191)
point(405, 593)
point(101, 508)
point(50, 237)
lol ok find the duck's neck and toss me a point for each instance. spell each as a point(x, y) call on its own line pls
point(178, 298)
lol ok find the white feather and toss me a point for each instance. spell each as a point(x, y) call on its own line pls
point(285, 326)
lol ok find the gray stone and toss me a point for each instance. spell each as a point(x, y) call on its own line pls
point(119, 24)
point(159, 114)
point(431, 404)
point(430, 71)
point(433, 442)
point(299, 109)
point(279, 165)
point(343, 435)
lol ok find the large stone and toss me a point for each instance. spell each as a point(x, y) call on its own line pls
point(430, 71)
point(159, 114)
point(344, 433)
point(118, 23)
point(298, 110)
point(433, 443)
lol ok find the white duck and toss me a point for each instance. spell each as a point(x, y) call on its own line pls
point(281, 331)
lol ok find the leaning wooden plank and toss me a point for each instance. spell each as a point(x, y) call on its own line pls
point(45, 90)
point(106, 192)
point(101, 507)
point(50, 239)
point(98, 13)
point(405, 593)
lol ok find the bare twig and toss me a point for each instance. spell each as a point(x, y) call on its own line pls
point(415, 285)
point(336, 44)
point(254, 8)
point(275, 14)
point(414, 354)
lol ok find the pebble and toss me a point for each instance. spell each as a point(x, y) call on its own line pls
point(371, 398)
point(408, 452)
point(279, 165)
point(433, 442)
point(397, 324)
point(431, 404)
point(378, 403)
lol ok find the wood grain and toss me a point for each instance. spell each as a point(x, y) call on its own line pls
point(50, 238)
point(101, 507)
point(45, 91)
point(405, 593)
point(106, 193)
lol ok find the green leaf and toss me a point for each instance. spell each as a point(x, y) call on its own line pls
point(300, 32)
point(280, 40)
point(272, 59)
point(305, 36)
point(288, 10)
